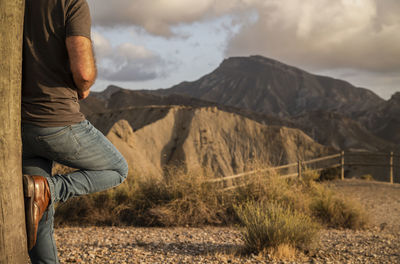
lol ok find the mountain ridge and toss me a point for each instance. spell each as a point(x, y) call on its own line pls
point(352, 134)
point(267, 86)
point(274, 93)
point(278, 97)
point(196, 139)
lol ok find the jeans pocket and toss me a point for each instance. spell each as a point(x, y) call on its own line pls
point(61, 145)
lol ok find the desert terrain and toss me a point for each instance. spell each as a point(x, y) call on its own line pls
point(248, 108)
point(379, 243)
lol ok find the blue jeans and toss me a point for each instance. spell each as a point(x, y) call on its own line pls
point(79, 146)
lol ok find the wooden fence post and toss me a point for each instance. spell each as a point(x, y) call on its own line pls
point(13, 246)
point(391, 167)
point(342, 165)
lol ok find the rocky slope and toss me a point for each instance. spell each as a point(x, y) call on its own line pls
point(384, 120)
point(115, 98)
point(268, 86)
point(274, 99)
point(327, 128)
point(340, 132)
point(200, 138)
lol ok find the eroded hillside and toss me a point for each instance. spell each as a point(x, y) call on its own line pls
point(152, 138)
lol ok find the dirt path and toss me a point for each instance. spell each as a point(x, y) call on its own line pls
point(378, 244)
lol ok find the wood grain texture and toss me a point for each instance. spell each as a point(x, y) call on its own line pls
point(13, 247)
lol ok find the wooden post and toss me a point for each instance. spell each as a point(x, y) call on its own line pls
point(299, 168)
point(13, 244)
point(391, 167)
point(342, 165)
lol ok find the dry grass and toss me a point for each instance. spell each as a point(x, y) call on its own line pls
point(279, 217)
point(282, 252)
point(337, 212)
point(193, 201)
point(181, 199)
point(187, 199)
point(367, 177)
point(271, 226)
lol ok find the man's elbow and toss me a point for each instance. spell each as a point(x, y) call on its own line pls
point(89, 76)
point(85, 78)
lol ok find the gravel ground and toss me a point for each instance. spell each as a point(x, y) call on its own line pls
point(380, 243)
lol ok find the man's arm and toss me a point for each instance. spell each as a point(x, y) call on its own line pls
point(82, 63)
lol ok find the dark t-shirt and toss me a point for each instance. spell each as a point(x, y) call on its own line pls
point(49, 94)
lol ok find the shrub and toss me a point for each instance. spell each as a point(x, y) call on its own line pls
point(367, 177)
point(329, 174)
point(270, 186)
point(180, 199)
point(189, 199)
point(269, 225)
point(193, 201)
point(310, 176)
point(336, 212)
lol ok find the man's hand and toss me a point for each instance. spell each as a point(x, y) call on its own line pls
point(82, 63)
point(83, 94)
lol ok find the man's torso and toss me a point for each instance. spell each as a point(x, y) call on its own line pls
point(49, 96)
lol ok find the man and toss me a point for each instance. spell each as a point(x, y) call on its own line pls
point(58, 70)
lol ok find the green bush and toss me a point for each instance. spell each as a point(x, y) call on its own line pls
point(270, 225)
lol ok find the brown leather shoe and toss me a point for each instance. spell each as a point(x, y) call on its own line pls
point(37, 198)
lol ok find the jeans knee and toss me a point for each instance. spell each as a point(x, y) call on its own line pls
point(123, 170)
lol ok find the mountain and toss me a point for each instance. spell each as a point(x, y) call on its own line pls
point(327, 128)
point(115, 98)
point(340, 132)
point(389, 121)
point(93, 104)
point(247, 105)
point(384, 120)
point(267, 86)
point(152, 133)
point(125, 98)
point(200, 138)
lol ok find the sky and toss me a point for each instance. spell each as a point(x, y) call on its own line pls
point(151, 44)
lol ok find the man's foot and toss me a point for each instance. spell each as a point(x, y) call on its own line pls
point(37, 198)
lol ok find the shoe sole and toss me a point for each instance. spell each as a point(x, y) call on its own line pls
point(29, 193)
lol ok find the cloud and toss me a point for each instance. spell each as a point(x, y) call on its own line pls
point(102, 46)
point(318, 35)
point(357, 34)
point(360, 34)
point(157, 16)
point(126, 62)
